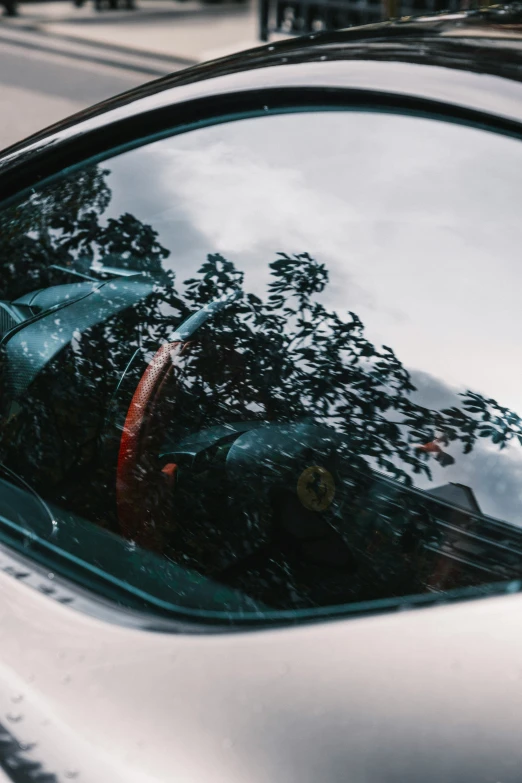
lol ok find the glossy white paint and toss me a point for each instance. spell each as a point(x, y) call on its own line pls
point(431, 694)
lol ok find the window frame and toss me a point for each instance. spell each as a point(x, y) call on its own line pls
point(48, 163)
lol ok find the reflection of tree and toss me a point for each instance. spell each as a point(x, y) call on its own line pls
point(288, 357)
point(54, 436)
point(62, 224)
point(283, 358)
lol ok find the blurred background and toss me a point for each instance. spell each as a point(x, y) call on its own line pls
point(58, 57)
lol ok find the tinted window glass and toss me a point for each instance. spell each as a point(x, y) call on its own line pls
point(269, 366)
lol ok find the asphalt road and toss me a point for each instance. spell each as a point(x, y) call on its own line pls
point(38, 89)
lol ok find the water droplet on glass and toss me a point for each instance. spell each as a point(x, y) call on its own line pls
point(14, 718)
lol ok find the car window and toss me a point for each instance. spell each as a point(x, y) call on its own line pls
point(269, 368)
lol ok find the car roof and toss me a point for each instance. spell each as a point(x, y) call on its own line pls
point(485, 41)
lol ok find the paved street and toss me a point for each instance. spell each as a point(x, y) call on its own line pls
point(190, 31)
point(56, 59)
point(37, 89)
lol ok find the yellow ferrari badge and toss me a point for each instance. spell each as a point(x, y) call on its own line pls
point(315, 488)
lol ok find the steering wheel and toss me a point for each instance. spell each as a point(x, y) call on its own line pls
point(287, 484)
point(141, 485)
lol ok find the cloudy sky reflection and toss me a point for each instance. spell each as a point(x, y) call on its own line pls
point(415, 219)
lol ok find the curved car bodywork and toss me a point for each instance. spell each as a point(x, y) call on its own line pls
point(93, 692)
